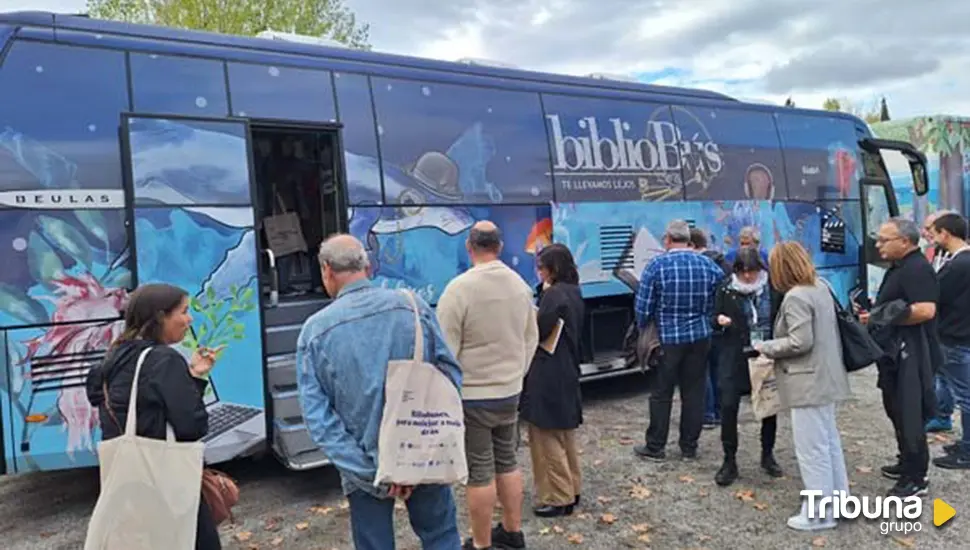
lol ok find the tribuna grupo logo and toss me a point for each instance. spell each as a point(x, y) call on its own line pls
point(595, 149)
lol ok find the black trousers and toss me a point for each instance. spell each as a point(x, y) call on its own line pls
point(902, 398)
point(734, 382)
point(207, 535)
point(683, 366)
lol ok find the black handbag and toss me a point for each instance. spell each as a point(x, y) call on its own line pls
point(859, 349)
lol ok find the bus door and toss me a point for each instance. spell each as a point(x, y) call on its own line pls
point(190, 196)
point(880, 197)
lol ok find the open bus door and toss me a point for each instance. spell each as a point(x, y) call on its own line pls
point(879, 201)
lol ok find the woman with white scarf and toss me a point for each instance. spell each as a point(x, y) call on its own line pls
point(742, 315)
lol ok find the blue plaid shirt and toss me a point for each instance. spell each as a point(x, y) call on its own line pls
point(677, 291)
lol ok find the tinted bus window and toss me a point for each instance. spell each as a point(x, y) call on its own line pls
point(59, 110)
point(287, 93)
point(605, 150)
point(164, 84)
point(359, 138)
point(729, 154)
point(445, 143)
point(821, 156)
point(62, 221)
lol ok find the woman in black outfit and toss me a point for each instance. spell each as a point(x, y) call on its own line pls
point(169, 389)
point(551, 405)
point(742, 312)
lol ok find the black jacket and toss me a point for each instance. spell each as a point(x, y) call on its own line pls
point(717, 257)
point(166, 393)
point(551, 398)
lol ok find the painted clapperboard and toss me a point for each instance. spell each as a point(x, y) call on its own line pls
point(833, 232)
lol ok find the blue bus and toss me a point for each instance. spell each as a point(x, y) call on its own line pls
point(132, 154)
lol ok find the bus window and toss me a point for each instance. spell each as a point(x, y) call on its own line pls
point(285, 93)
point(821, 156)
point(610, 150)
point(62, 217)
point(879, 208)
point(359, 139)
point(444, 143)
point(733, 154)
point(166, 84)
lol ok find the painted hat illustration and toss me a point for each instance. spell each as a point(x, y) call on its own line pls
point(437, 174)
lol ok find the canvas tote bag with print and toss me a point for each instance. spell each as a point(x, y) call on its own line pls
point(422, 435)
point(150, 489)
point(765, 400)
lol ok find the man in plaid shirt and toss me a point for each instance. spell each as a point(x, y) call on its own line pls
point(677, 293)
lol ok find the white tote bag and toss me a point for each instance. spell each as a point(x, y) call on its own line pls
point(150, 489)
point(422, 436)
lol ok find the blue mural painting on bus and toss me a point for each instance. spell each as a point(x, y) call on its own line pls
point(175, 166)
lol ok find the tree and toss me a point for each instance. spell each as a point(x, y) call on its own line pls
point(832, 104)
point(883, 111)
point(870, 113)
point(324, 18)
point(789, 102)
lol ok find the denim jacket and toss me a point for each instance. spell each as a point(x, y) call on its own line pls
point(341, 359)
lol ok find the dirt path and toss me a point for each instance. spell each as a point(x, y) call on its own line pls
point(627, 503)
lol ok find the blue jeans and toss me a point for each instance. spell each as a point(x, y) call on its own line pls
point(944, 398)
point(431, 510)
point(712, 400)
point(956, 372)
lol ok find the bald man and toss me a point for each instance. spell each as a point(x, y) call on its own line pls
point(488, 317)
point(342, 356)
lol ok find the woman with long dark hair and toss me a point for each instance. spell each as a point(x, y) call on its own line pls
point(551, 404)
point(170, 390)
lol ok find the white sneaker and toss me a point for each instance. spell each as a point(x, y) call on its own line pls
point(800, 522)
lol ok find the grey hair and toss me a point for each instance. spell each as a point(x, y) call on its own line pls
point(907, 229)
point(678, 231)
point(751, 232)
point(344, 254)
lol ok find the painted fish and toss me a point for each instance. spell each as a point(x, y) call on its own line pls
point(539, 237)
point(76, 298)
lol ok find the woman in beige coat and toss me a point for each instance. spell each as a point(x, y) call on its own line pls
point(811, 376)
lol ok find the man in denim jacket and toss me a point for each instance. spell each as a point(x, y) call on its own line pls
point(342, 358)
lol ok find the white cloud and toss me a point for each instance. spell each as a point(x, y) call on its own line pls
point(916, 54)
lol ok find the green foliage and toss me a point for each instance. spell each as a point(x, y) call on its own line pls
point(832, 104)
point(325, 18)
point(216, 320)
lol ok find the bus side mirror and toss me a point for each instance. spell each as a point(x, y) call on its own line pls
point(921, 184)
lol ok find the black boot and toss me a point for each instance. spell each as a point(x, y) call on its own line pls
point(770, 466)
point(728, 473)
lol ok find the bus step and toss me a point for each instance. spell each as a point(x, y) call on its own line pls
point(286, 404)
point(281, 372)
point(303, 461)
point(293, 312)
point(292, 438)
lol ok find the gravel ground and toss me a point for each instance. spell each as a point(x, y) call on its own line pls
point(627, 503)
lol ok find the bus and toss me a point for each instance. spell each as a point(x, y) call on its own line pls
point(132, 154)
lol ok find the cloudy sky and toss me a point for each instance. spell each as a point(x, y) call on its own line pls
point(916, 55)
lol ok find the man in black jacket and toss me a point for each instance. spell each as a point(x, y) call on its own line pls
point(906, 377)
point(950, 235)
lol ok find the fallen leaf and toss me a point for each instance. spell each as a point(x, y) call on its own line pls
point(558, 529)
point(703, 538)
point(597, 462)
point(276, 542)
point(582, 515)
point(544, 531)
point(243, 536)
point(272, 524)
point(640, 492)
point(344, 505)
point(624, 440)
point(321, 510)
point(908, 542)
point(818, 542)
point(864, 469)
point(702, 492)
point(302, 526)
point(641, 528)
point(575, 538)
point(645, 538)
point(686, 478)
point(852, 484)
point(399, 506)
point(760, 506)
point(604, 500)
point(746, 495)
point(608, 519)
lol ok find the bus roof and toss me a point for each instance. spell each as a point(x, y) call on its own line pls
point(57, 22)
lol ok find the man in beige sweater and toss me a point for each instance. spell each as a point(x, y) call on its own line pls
point(489, 321)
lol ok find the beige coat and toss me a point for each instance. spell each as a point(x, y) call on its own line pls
point(807, 349)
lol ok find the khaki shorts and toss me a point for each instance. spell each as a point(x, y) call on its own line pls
point(490, 441)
